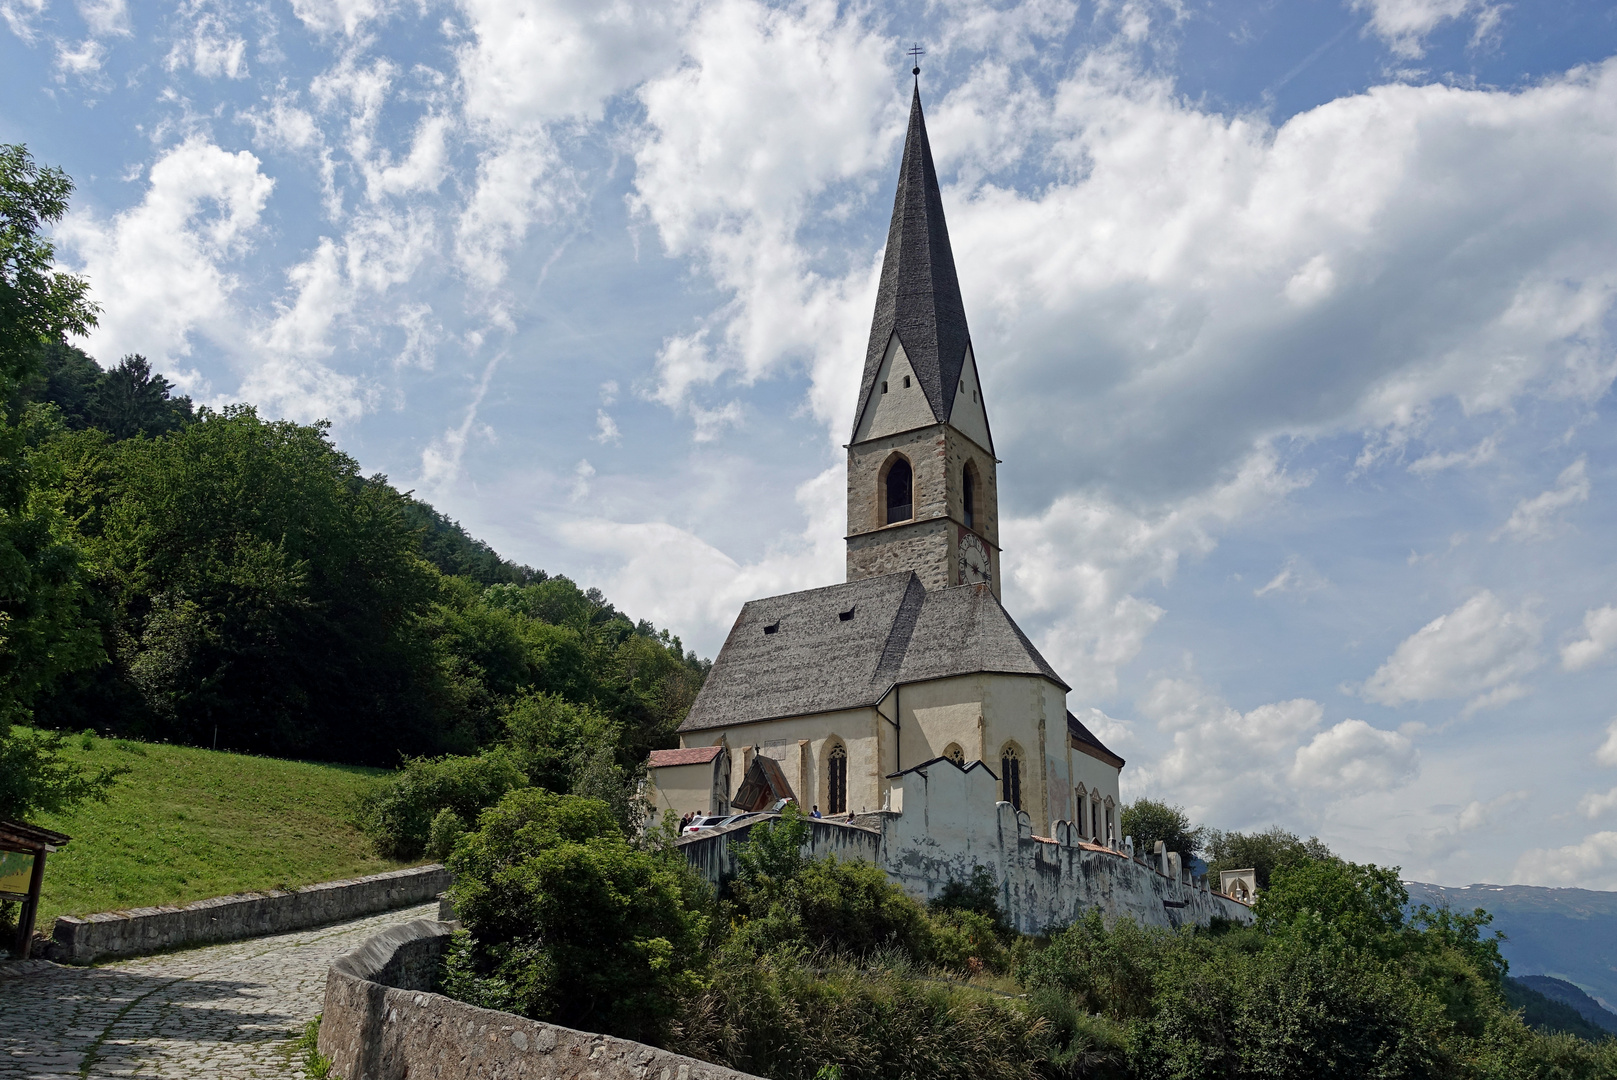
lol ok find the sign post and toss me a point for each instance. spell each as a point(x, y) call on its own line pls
point(17, 843)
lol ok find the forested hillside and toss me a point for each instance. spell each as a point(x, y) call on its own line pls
point(241, 583)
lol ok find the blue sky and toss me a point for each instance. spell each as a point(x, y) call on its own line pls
point(1295, 322)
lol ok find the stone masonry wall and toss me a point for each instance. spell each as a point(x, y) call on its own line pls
point(140, 931)
point(922, 546)
point(382, 1022)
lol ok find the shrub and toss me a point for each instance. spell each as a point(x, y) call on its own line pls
point(567, 922)
point(775, 1015)
point(843, 906)
point(447, 827)
point(1107, 972)
point(397, 812)
point(967, 941)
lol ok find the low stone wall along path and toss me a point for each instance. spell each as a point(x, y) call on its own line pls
point(224, 1011)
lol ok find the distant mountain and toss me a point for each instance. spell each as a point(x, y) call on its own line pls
point(1564, 992)
point(1567, 934)
point(1548, 1014)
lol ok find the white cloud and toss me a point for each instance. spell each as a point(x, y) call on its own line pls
point(773, 108)
point(606, 428)
point(1600, 634)
point(1404, 24)
point(1271, 763)
point(330, 16)
point(211, 50)
point(1480, 454)
point(1166, 235)
point(421, 170)
point(1607, 754)
point(530, 65)
point(1293, 577)
point(160, 269)
point(1590, 864)
point(1477, 650)
point(1595, 804)
point(105, 17)
point(83, 59)
point(1080, 563)
point(20, 16)
point(1449, 838)
point(677, 579)
point(1354, 756)
point(1536, 518)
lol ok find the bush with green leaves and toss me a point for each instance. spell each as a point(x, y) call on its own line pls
point(36, 778)
point(566, 921)
point(1265, 852)
point(398, 811)
point(1148, 820)
point(838, 905)
point(791, 1016)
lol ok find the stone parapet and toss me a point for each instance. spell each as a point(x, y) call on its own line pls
point(140, 931)
point(382, 1022)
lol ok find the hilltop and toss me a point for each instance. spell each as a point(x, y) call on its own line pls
point(1568, 934)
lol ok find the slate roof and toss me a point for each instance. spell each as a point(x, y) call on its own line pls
point(1076, 728)
point(919, 294)
point(815, 661)
point(689, 755)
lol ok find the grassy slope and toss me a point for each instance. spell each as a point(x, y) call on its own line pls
point(185, 824)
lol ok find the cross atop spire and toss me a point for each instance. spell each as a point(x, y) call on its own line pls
point(919, 295)
point(916, 52)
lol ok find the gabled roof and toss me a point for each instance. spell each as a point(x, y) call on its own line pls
point(919, 295)
point(688, 755)
point(814, 660)
point(1088, 743)
point(925, 765)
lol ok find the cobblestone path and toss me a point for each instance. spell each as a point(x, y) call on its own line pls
point(222, 1011)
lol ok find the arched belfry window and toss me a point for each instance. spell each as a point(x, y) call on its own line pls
point(900, 491)
point(1010, 775)
point(955, 754)
point(836, 779)
point(968, 495)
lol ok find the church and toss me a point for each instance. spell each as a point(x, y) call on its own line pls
point(833, 696)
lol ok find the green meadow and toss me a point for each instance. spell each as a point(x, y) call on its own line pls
point(185, 824)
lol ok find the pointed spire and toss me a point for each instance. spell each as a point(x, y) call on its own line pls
point(919, 295)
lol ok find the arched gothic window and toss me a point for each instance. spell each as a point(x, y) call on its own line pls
point(1010, 775)
point(955, 754)
point(836, 779)
point(900, 492)
point(968, 493)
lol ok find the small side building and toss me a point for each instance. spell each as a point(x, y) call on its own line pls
point(689, 780)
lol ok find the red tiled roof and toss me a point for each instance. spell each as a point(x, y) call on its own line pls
point(690, 755)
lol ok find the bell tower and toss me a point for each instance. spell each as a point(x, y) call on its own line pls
point(923, 493)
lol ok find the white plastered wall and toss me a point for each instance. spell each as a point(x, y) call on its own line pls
point(969, 415)
point(901, 408)
point(800, 744)
point(982, 713)
point(678, 790)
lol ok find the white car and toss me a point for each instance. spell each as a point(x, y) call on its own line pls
point(704, 822)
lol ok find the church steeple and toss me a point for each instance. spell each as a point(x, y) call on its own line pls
point(922, 489)
point(918, 299)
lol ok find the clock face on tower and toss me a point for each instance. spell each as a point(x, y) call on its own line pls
point(976, 565)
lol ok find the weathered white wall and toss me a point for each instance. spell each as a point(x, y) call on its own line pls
point(942, 834)
point(938, 831)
